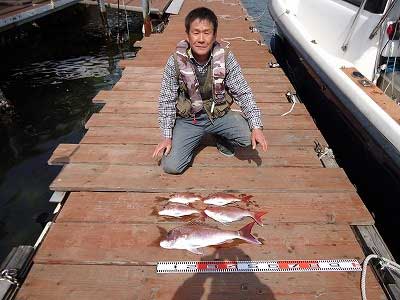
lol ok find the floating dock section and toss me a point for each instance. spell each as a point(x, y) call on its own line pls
point(104, 243)
point(157, 7)
point(16, 13)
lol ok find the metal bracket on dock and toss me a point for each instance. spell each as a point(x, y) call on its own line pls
point(14, 269)
point(371, 242)
point(325, 155)
point(253, 29)
point(57, 197)
point(159, 28)
point(273, 64)
point(292, 97)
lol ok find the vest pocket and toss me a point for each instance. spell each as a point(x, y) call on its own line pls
point(183, 107)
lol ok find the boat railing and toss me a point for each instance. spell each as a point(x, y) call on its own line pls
point(384, 17)
point(353, 26)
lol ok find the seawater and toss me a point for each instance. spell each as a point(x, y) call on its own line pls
point(49, 77)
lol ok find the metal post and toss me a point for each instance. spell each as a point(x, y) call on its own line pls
point(103, 15)
point(353, 26)
point(146, 18)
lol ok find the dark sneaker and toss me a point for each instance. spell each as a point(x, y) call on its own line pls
point(226, 149)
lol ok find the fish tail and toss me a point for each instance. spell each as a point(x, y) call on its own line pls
point(246, 198)
point(245, 234)
point(257, 217)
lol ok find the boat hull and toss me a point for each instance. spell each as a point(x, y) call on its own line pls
point(380, 133)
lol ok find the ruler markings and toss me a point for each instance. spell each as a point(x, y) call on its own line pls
point(324, 265)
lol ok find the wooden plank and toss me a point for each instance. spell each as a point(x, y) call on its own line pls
point(93, 282)
point(152, 96)
point(138, 244)
point(289, 122)
point(141, 107)
point(152, 136)
point(274, 87)
point(100, 177)
point(160, 69)
point(276, 156)
point(377, 95)
point(145, 62)
point(265, 78)
point(241, 54)
point(139, 208)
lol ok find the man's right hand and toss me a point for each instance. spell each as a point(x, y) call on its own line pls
point(165, 144)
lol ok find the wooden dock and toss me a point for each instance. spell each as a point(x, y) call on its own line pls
point(104, 242)
point(14, 13)
point(157, 7)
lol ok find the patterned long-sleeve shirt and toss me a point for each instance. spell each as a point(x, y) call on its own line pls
point(235, 84)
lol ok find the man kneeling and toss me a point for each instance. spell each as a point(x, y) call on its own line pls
point(200, 80)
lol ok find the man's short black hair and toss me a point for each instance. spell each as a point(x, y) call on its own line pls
point(201, 13)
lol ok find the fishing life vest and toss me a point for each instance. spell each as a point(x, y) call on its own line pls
point(198, 91)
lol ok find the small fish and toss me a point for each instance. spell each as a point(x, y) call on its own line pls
point(193, 237)
point(177, 210)
point(184, 198)
point(221, 199)
point(232, 214)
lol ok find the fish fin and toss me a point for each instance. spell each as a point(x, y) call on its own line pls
point(203, 216)
point(195, 251)
point(245, 234)
point(257, 217)
point(246, 198)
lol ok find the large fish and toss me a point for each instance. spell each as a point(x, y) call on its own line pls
point(184, 198)
point(177, 210)
point(193, 237)
point(232, 214)
point(220, 199)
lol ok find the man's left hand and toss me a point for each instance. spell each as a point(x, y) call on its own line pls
point(257, 137)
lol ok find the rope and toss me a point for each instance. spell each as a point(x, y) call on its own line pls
point(247, 16)
point(385, 263)
point(225, 40)
point(290, 110)
point(223, 2)
point(326, 152)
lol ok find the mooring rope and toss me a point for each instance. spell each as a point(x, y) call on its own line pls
point(247, 16)
point(290, 110)
point(225, 40)
point(385, 263)
point(223, 2)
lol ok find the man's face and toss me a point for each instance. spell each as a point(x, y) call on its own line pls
point(201, 38)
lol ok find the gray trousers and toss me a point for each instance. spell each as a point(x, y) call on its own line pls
point(187, 136)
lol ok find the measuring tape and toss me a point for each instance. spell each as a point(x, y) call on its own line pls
point(324, 265)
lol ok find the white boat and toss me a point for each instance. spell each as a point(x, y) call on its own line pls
point(349, 46)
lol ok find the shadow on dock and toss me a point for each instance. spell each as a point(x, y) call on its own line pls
point(223, 286)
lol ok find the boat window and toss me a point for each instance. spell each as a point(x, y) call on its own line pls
point(373, 6)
